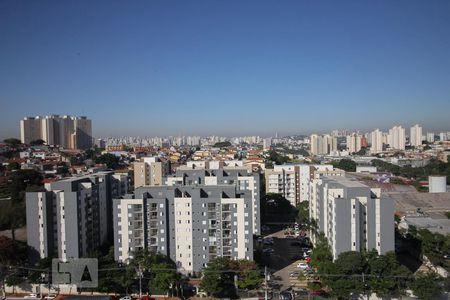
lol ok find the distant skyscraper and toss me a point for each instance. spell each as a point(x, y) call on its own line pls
point(320, 145)
point(430, 137)
point(396, 138)
point(415, 137)
point(377, 141)
point(354, 142)
point(443, 136)
point(68, 132)
point(267, 142)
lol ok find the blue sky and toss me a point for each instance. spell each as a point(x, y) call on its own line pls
point(226, 67)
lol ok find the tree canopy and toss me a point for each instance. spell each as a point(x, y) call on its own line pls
point(345, 164)
point(12, 142)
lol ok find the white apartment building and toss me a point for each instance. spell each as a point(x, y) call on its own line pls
point(66, 131)
point(376, 138)
point(352, 216)
point(292, 180)
point(267, 143)
point(354, 142)
point(193, 220)
point(396, 138)
point(415, 137)
point(430, 137)
point(73, 217)
point(322, 144)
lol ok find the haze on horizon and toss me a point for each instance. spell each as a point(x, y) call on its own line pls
point(158, 68)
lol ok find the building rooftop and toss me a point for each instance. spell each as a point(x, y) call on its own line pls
point(407, 203)
point(441, 226)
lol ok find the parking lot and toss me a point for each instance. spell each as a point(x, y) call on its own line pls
point(286, 255)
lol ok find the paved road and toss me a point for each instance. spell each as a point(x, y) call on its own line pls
point(282, 261)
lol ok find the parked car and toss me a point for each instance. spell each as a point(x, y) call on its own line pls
point(126, 297)
point(286, 296)
point(50, 296)
point(320, 293)
point(268, 250)
point(299, 292)
point(303, 266)
point(268, 242)
point(294, 274)
point(33, 296)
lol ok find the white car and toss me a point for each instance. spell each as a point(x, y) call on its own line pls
point(32, 296)
point(303, 266)
point(127, 297)
point(50, 297)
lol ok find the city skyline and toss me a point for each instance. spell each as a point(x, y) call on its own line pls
point(253, 68)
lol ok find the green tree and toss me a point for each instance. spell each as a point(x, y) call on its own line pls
point(247, 272)
point(345, 284)
point(388, 277)
point(13, 166)
point(12, 142)
point(345, 164)
point(110, 160)
point(303, 211)
point(222, 144)
point(38, 142)
point(427, 286)
point(277, 158)
point(215, 279)
point(14, 280)
point(165, 276)
point(321, 254)
point(276, 207)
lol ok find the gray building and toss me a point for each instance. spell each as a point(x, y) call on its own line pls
point(199, 215)
point(73, 217)
point(352, 215)
point(218, 173)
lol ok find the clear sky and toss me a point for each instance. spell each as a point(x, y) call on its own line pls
point(226, 67)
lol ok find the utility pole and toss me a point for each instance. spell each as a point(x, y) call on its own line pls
point(265, 283)
point(139, 273)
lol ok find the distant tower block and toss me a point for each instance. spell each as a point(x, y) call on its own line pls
point(437, 184)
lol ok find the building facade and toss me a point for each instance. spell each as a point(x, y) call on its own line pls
point(353, 142)
point(191, 224)
point(66, 131)
point(415, 137)
point(292, 180)
point(150, 171)
point(73, 217)
point(351, 215)
point(396, 138)
point(376, 139)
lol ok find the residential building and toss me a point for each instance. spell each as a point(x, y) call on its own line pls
point(353, 216)
point(322, 144)
point(66, 131)
point(415, 137)
point(292, 180)
point(396, 138)
point(354, 142)
point(191, 224)
point(72, 217)
point(376, 138)
point(267, 143)
point(430, 137)
point(150, 171)
point(211, 173)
